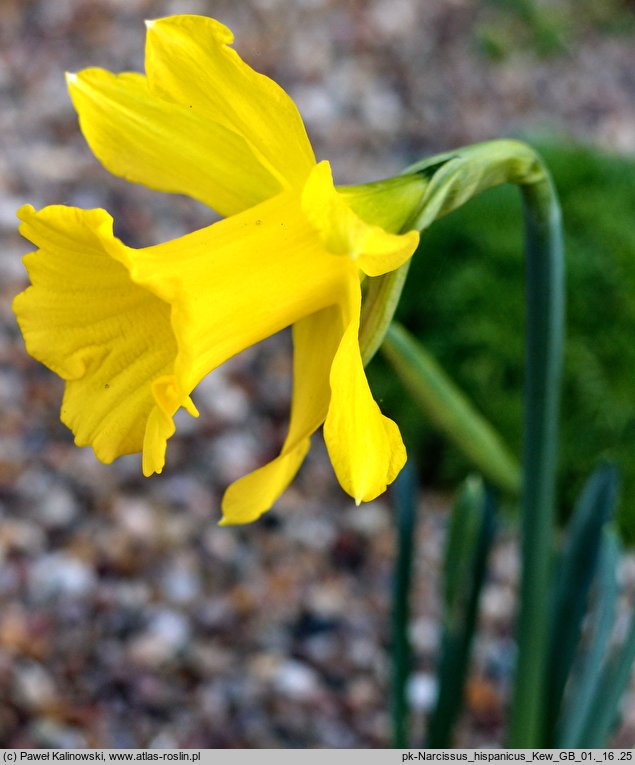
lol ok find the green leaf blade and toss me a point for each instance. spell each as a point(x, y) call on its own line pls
point(449, 410)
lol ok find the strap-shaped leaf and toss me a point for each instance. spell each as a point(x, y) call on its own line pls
point(404, 491)
point(470, 537)
point(449, 409)
point(576, 570)
point(584, 688)
point(604, 705)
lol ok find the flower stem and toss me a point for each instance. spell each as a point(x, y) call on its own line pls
point(461, 175)
point(545, 330)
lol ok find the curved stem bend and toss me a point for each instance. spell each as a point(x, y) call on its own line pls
point(461, 175)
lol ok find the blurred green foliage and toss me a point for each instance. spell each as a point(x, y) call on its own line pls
point(464, 299)
point(547, 28)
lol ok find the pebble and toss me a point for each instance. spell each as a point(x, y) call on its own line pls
point(422, 691)
point(20, 536)
point(220, 399)
point(137, 518)
point(181, 580)
point(59, 575)
point(50, 734)
point(33, 687)
point(58, 508)
point(296, 681)
point(167, 633)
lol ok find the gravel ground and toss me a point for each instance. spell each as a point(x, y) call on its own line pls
point(127, 617)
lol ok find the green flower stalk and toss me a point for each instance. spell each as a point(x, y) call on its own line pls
point(457, 177)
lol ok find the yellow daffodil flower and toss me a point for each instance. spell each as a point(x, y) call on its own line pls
point(133, 331)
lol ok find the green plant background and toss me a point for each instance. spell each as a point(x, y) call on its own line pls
point(464, 299)
point(547, 29)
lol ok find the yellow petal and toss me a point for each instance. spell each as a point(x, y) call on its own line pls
point(84, 318)
point(252, 495)
point(232, 284)
point(365, 447)
point(189, 61)
point(344, 233)
point(315, 340)
point(134, 331)
point(165, 145)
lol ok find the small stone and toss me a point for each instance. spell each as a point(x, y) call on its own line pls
point(362, 693)
point(328, 600)
point(181, 581)
point(369, 519)
point(314, 532)
point(225, 402)
point(137, 517)
point(33, 688)
point(50, 734)
point(166, 634)
point(14, 630)
point(484, 699)
point(57, 508)
point(296, 680)
point(422, 691)
point(58, 574)
point(424, 634)
point(497, 602)
point(233, 454)
point(21, 536)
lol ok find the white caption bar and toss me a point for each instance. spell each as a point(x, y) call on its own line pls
point(311, 756)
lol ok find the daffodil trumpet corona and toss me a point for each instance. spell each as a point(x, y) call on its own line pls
point(133, 331)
